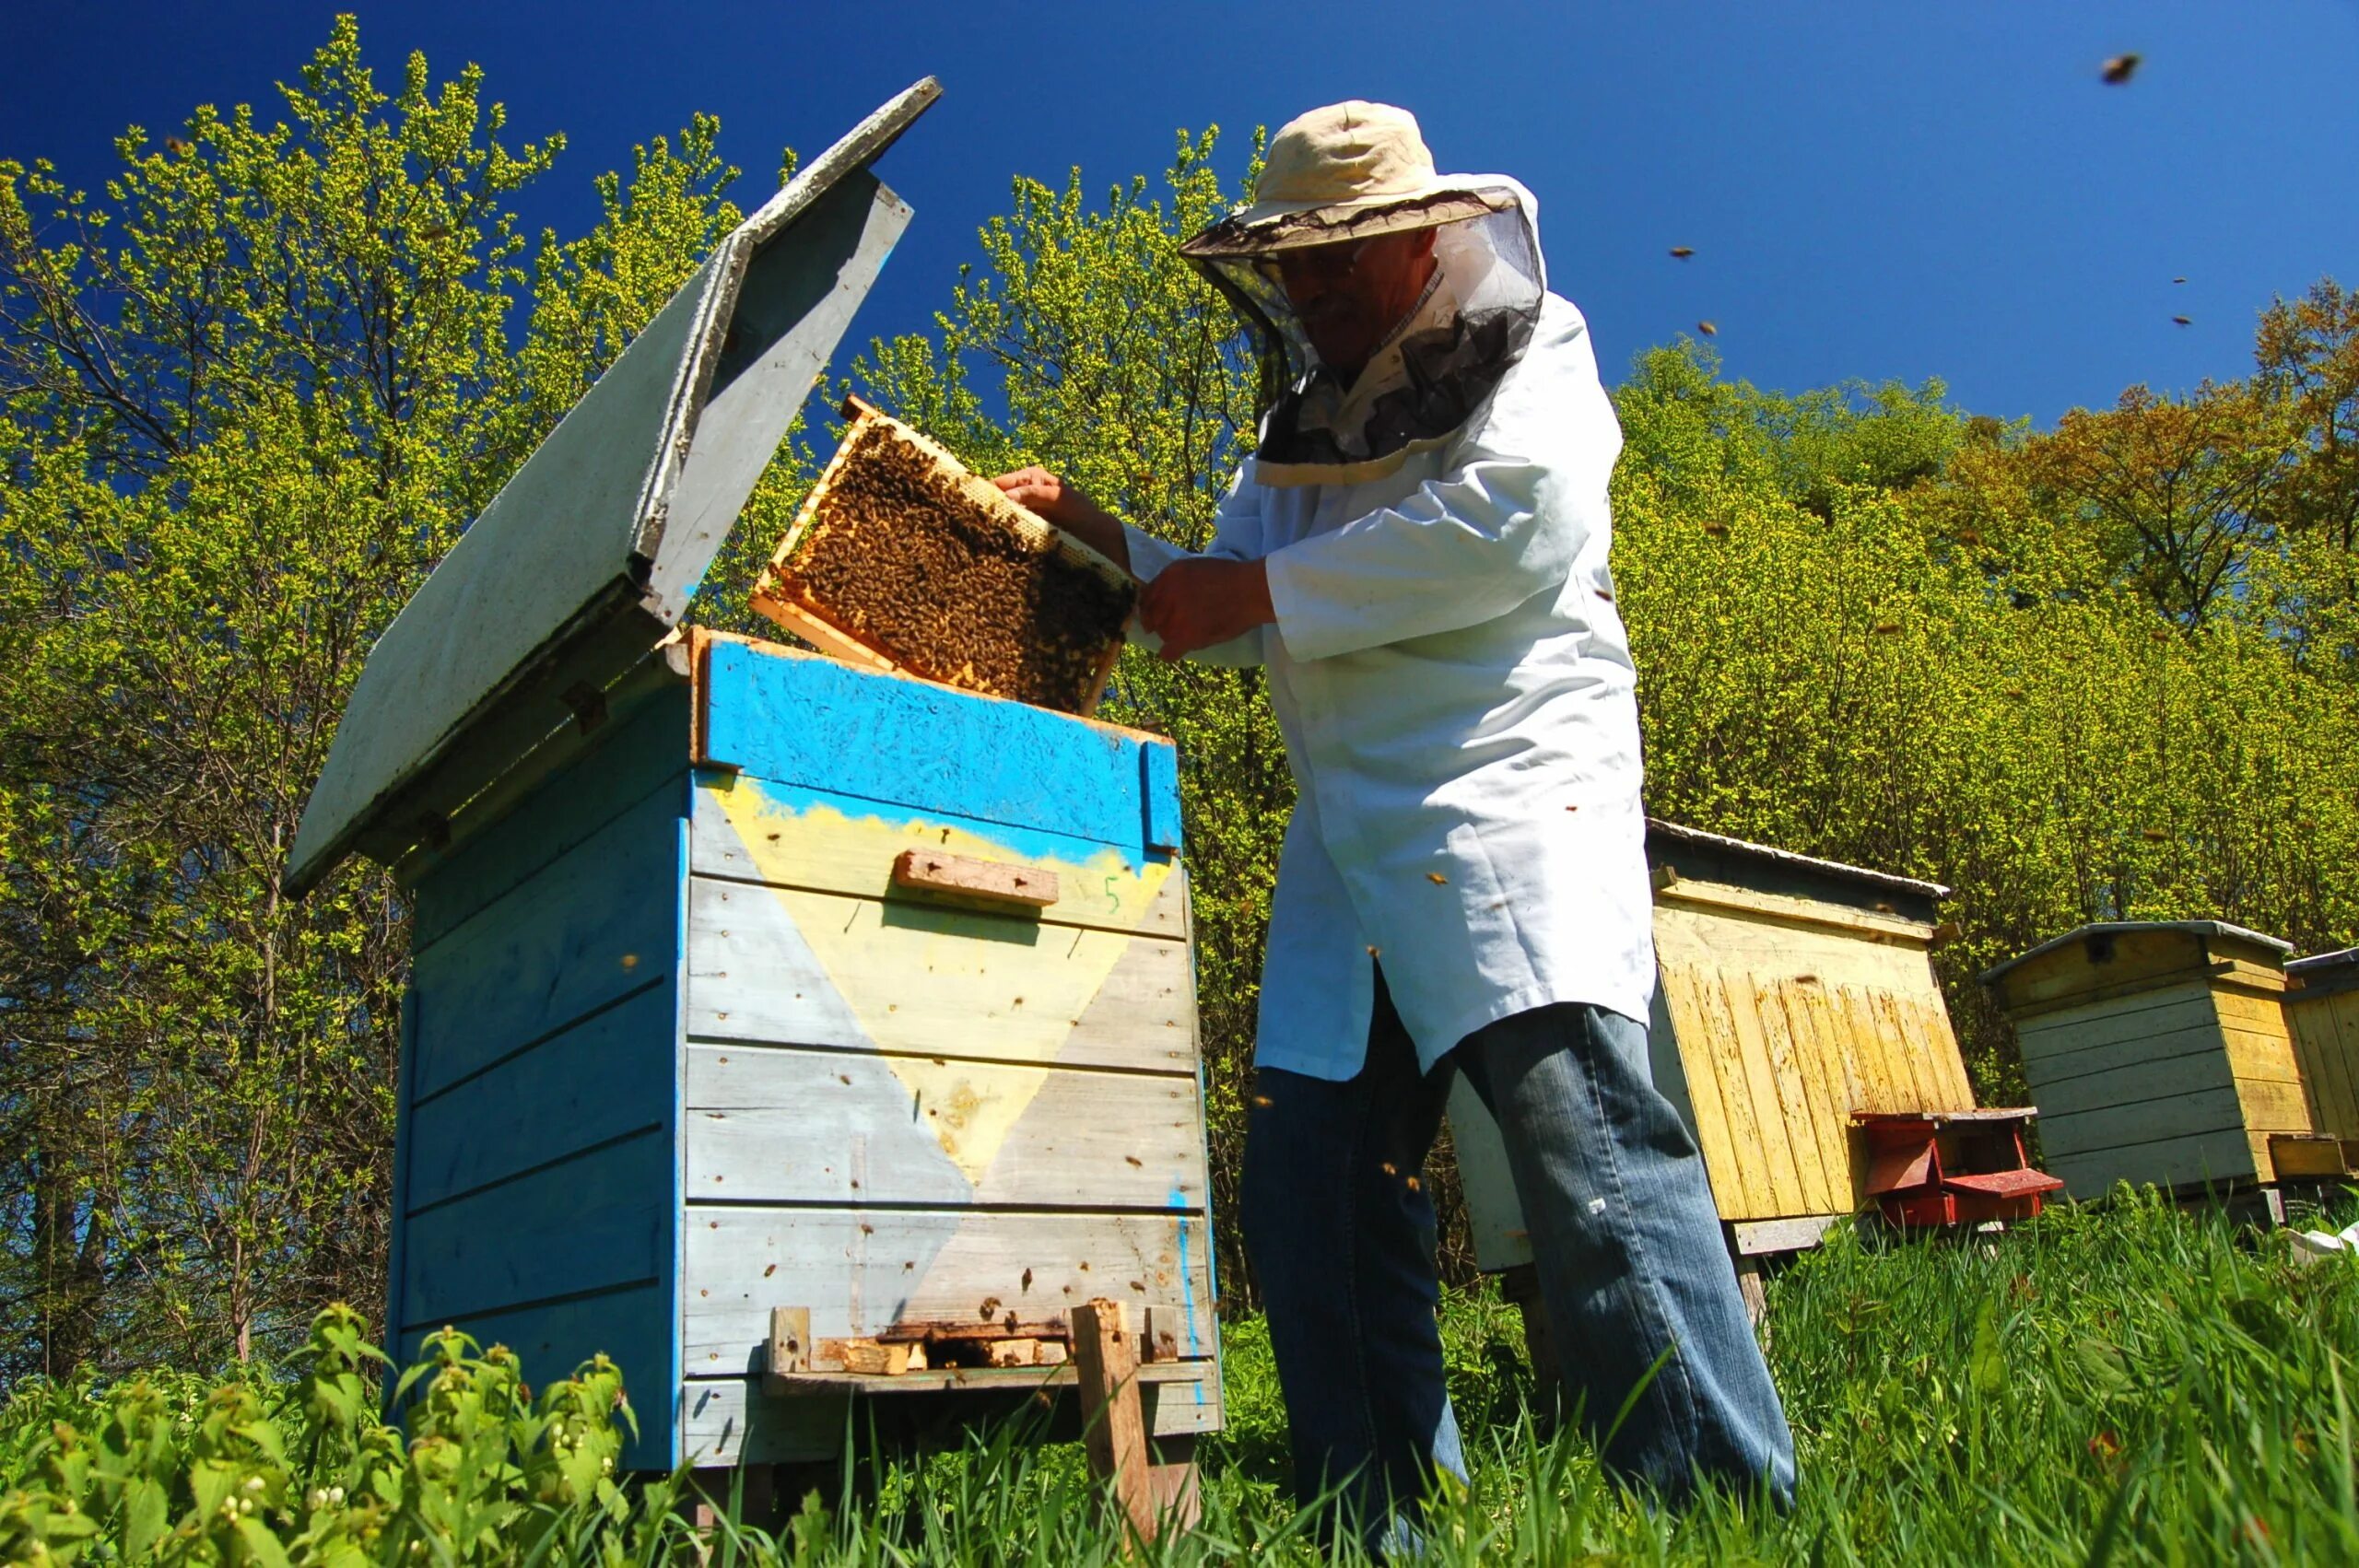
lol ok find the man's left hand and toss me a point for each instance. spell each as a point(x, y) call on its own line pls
point(1202, 602)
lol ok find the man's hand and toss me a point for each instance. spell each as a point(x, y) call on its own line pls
point(1053, 500)
point(1203, 601)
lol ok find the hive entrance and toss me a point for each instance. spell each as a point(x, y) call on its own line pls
point(903, 559)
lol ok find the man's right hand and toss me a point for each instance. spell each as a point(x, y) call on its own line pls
point(1055, 500)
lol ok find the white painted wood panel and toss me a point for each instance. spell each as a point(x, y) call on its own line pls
point(815, 969)
point(774, 1125)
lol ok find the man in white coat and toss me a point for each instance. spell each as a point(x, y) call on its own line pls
point(1416, 553)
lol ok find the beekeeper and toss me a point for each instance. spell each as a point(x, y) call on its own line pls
point(1415, 551)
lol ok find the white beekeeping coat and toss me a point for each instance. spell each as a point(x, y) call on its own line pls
point(1457, 700)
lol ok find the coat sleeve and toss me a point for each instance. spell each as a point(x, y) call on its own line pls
point(1236, 536)
point(1523, 495)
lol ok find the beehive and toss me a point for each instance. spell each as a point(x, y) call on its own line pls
point(901, 560)
point(1792, 993)
point(2322, 1013)
point(687, 1043)
point(747, 985)
point(2159, 1054)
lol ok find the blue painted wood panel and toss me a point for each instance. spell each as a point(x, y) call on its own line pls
point(632, 1325)
point(584, 931)
point(610, 1075)
point(1159, 792)
point(599, 1221)
point(632, 753)
point(803, 719)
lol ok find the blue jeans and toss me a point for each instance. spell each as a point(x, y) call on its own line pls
point(1629, 1244)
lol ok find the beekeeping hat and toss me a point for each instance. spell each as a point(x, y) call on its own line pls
point(1352, 171)
point(1345, 172)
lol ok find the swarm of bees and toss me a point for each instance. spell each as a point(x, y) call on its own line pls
point(899, 551)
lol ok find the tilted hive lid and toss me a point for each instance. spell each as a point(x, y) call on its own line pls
point(591, 551)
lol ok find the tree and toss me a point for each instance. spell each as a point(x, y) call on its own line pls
point(253, 390)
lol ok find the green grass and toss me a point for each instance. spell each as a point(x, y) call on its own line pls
point(2129, 1385)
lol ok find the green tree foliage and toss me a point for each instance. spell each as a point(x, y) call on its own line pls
point(253, 391)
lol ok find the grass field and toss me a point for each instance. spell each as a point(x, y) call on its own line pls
point(2124, 1384)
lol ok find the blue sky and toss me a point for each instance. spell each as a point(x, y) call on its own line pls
point(1873, 190)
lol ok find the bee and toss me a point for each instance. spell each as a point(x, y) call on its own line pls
point(1683, 252)
point(1263, 1101)
point(1437, 879)
point(2178, 280)
point(2182, 320)
point(1388, 1170)
point(1375, 952)
point(1969, 536)
point(1413, 1184)
point(1716, 530)
point(1707, 329)
point(1887, 629)
point(2120, 69)
point(178, 147)
point(1027, 1280)
point(2153, 834)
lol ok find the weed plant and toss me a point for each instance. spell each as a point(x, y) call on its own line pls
point(2120, 1384)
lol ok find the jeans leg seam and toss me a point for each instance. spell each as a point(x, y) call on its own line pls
point(1642, 1268)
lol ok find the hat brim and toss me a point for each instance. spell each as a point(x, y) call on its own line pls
point(1268, 226)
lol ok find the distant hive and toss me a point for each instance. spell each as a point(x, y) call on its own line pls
point(902, 560)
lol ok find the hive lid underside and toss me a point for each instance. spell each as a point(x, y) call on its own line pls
point(594, 547)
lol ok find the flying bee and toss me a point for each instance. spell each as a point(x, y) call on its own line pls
point(1683, 252)
point(1437, 879)
point(1707, 329)
point(2182, 320)
point(178, 147)
point(2120, 69)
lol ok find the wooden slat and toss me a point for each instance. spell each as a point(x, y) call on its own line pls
point(1106, 1368)
point(1816, 1054)
point(816, 969)
point(2126, 1021)
point(1815, 1181)
point(2273, 1106)
point(2200, 1039)
point(2327, 1066)
point(2267, 1057)
point(606, 1076)
point(2293, 1154)
point(628, 759)
point(972, 877)
point(1938, 1039)
point(2222, 1155)
point(2189, 1072)
point(583, 931)
point(1754, 1076)
point(727, 1421)
point(812, 721)
point(863, 1270)
point(779, 1126)
point(837, 843)
point(1703, 1034)
point(2332, 1028)
point(601, 1220)
point(2142, 1121)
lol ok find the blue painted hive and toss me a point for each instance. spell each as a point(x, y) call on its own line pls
point(750, 989)
point(680, 1052)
